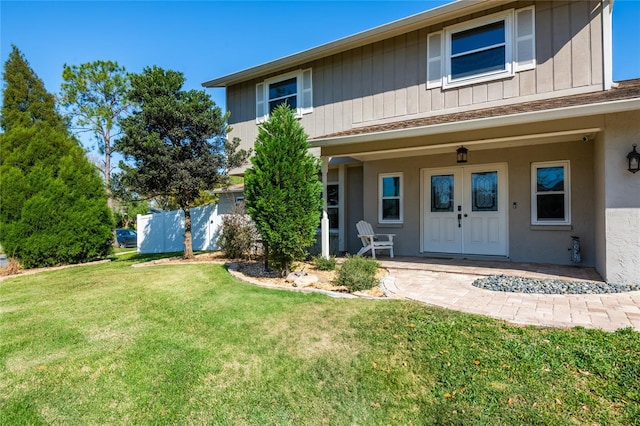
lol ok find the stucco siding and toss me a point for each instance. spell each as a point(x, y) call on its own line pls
point(551, 244)
point(526, 242)
point(623, 245)
point(599, 203)
point(227, 202)
point(622, 200)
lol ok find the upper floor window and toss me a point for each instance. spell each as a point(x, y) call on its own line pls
point(478, 51)
point(484, 49)
point(550, 193)
point(294, 89)
point(285, 91)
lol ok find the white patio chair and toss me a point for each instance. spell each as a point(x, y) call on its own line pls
point(370, 240)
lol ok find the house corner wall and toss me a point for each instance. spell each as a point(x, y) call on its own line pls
point(599, 205)
point(622, 200)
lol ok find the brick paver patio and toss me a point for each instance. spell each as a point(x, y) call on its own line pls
point(447, 283)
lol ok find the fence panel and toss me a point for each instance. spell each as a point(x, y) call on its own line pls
point(164, 232)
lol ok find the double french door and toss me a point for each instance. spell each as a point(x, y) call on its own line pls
point(465, 210)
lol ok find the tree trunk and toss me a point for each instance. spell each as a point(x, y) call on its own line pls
point(107, 168)
point(265, 246)
point(188, 245)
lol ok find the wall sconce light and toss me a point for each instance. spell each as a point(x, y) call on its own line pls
point(462, 154)
point(634, 160)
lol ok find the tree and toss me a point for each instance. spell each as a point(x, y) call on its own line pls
point(177, 142)
point(127, 205)
point(54, 207)
point(95, 96)
point(282, 189)
point(25, 100)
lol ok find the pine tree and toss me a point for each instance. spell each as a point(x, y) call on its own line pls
point(282, 189)
point(95, 95)
point(53, 203)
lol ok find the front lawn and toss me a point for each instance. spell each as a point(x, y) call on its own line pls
point(189, 344)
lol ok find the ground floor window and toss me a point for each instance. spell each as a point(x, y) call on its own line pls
point(390, 198)
point(550, 193)
point(333, 205)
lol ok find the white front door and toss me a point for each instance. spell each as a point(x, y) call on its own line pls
point(465, 210)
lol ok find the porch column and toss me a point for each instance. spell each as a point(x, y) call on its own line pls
point(324, 223)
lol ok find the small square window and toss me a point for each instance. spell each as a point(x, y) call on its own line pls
point(390, 207)
point(550, 193)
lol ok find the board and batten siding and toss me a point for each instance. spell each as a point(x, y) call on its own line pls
point(386, 81)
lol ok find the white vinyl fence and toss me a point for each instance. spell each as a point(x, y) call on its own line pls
point(164, 232)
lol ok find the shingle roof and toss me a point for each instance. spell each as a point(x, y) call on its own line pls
point(628, 89)
point(238, 187)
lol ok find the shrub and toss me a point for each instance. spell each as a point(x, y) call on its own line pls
point(54, 203)
point(324, 264)
point(237, 235)
point(358, 273)
point(12, 267)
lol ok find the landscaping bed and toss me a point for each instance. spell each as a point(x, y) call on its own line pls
point(253, 271)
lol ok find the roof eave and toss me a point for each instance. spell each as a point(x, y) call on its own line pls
point(484, 123)
point(401, 26)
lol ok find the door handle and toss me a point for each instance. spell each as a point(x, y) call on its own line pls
point(459, 220)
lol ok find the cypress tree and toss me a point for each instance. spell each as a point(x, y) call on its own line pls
point(25, 100)
point(282, 189)
point(53, 203)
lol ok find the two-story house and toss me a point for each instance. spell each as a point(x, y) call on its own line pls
point(478, 128)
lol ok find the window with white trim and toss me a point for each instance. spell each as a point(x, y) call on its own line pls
point(390, 198)
point(550, 193)
point(294, 88)
point(484, 49)
point(333, 206)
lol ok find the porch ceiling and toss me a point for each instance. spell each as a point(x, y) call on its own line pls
point(498, 137)
point(576, 135)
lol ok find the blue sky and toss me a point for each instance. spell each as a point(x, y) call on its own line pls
point(208, 39)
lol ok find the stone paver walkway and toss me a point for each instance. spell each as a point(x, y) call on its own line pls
point(447, 283)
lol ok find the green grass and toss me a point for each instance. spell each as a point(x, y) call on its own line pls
point(189, 344)
point(118, 250)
